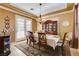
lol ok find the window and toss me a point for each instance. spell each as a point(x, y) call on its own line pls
point(29, 25)
point(22, 26)
point(20, 33)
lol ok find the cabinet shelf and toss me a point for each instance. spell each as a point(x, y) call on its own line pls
point(50, 27)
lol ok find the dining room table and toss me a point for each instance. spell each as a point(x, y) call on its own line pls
point(52, 40)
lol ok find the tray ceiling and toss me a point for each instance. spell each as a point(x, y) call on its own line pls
point(34, 8)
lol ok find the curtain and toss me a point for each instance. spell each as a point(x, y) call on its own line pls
point(22, 26)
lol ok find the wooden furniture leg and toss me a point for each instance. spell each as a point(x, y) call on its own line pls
point(39, 45)
point(27, 40)
point(33, 44)
point(30, 42)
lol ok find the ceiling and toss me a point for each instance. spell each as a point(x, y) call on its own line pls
point(45, 8)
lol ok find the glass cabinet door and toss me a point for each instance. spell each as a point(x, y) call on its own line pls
point(54, 26)
point(50, 26)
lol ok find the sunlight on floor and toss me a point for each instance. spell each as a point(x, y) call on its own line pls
point(15, 51)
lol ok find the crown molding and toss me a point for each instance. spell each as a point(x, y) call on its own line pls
point(58, 14)
point(53, 16)
point(15, 10)
point(68, 7)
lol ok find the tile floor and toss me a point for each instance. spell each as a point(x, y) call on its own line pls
point(15, 51)
point(74, 52)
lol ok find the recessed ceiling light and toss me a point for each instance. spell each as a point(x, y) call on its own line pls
point(31, 8)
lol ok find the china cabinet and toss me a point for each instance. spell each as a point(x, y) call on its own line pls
point(50, 27)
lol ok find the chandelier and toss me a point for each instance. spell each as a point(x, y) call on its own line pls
point(40, 14)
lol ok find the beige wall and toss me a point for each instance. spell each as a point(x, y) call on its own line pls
point(70, 18)
point(34, 25)
point(3, 14)
point(61, 17)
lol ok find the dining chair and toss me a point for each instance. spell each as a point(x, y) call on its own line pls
point(42, 39)
point(67, 44)
point(63, 46)
point(59, 47)
point(31, 38)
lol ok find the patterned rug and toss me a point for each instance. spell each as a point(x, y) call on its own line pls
point(30, 51)
point(44, 51)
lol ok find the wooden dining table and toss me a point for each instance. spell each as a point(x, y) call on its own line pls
point(51, 39)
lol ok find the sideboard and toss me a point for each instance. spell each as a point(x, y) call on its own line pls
point(4, 45)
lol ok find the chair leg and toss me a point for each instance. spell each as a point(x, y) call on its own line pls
point(62, 51)
point(27, 41)
point(33, 44)
point(39, 46)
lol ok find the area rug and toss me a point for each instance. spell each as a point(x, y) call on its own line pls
point(30, 51)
